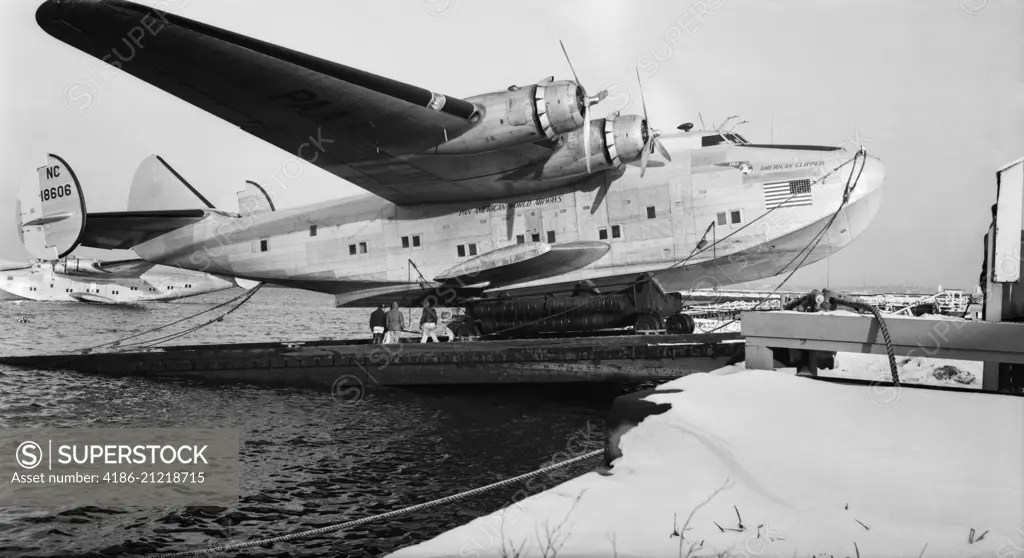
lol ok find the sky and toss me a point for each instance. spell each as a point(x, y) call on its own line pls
point(935, 88)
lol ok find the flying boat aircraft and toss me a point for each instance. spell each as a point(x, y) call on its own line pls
point(74, 279)
point(503, 195)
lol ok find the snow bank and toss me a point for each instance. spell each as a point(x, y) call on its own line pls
point(812, 468)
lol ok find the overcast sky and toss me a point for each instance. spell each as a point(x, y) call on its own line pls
point(932, 87)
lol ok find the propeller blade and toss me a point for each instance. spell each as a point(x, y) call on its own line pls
point(642, 102)
point(601, 95)
point(645, 155)
point(586, 142)
point(566, 53)
point(662, 150)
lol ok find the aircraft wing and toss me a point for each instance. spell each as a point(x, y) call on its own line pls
point(120, 269)
point(359, 126)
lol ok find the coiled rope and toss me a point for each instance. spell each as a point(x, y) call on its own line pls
point(388, 515)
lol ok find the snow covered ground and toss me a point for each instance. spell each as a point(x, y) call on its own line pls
point(758, 463)
point(912, 370)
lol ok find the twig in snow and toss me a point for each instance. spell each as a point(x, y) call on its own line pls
point(675, 528)
point(740, 519)
point(719, 526)
point(855, 549)
point(970, 538)
point(866, 528)
point(615, 552)
point(686, 524)
point(982, 536)
point(922, 550)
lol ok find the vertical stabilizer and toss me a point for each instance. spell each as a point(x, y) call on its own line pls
point(254, 199)
point(157, 186)
point(51, 212)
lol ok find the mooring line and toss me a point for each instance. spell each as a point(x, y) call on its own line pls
point(387, 515)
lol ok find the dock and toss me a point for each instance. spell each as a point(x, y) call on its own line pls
point(632, 358)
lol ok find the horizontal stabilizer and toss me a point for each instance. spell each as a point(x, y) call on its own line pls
point(123, 230)
point(51, 211)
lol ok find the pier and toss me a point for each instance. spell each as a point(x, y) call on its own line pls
point(633, 358)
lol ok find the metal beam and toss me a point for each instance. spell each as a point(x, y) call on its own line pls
point(960, 340)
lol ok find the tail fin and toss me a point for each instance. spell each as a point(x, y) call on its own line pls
point(51, 213)
point(254, 198)
point(157, 186)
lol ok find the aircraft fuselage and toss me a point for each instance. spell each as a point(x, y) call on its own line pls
point(365, 249)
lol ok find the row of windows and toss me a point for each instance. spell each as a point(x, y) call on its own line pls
point(602, 233)
point(733, 216)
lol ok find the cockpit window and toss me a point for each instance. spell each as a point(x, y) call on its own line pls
point(708, 141)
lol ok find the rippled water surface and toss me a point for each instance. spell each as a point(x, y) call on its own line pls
point(307, 461)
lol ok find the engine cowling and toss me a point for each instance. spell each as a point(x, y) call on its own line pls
point(77, 266)
point(521, 115)
point(613, 141)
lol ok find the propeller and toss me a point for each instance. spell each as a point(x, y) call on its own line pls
point(585, 104)
point(650, 134)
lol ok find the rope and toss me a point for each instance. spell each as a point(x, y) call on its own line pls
point(118, 342)
point(881, 326)
point(851, 183)
point(387, 515)
point(172, 336)
point(698, 250)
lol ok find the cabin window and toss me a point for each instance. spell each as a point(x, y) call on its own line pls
point(551, 236)
point(263, 245)
point(416, 241)
point(721, 219)
point(535, 237)
point(602, 233)
point(650, 212)
point(616, 231)
point(472, 249)
point(351, 249)
point(736, 216)
point(51, 285)
point(9, 278)
point(362, 247)
point(520, 239)
point(405, 242)
point(312, 230)
point(462, 250)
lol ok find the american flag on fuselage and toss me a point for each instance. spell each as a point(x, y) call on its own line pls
point(791, 193)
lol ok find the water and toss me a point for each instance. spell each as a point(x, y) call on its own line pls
point(306, 461)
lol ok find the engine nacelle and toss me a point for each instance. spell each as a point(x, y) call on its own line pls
point(613, 141)
point(521, 115)
point(77, 266)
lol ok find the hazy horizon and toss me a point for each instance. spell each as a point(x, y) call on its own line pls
point(933, 88)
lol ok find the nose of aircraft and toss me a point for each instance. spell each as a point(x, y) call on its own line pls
point(868, 175)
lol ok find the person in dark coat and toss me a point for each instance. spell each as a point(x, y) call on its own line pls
point(378, 321)
point(428, 322)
